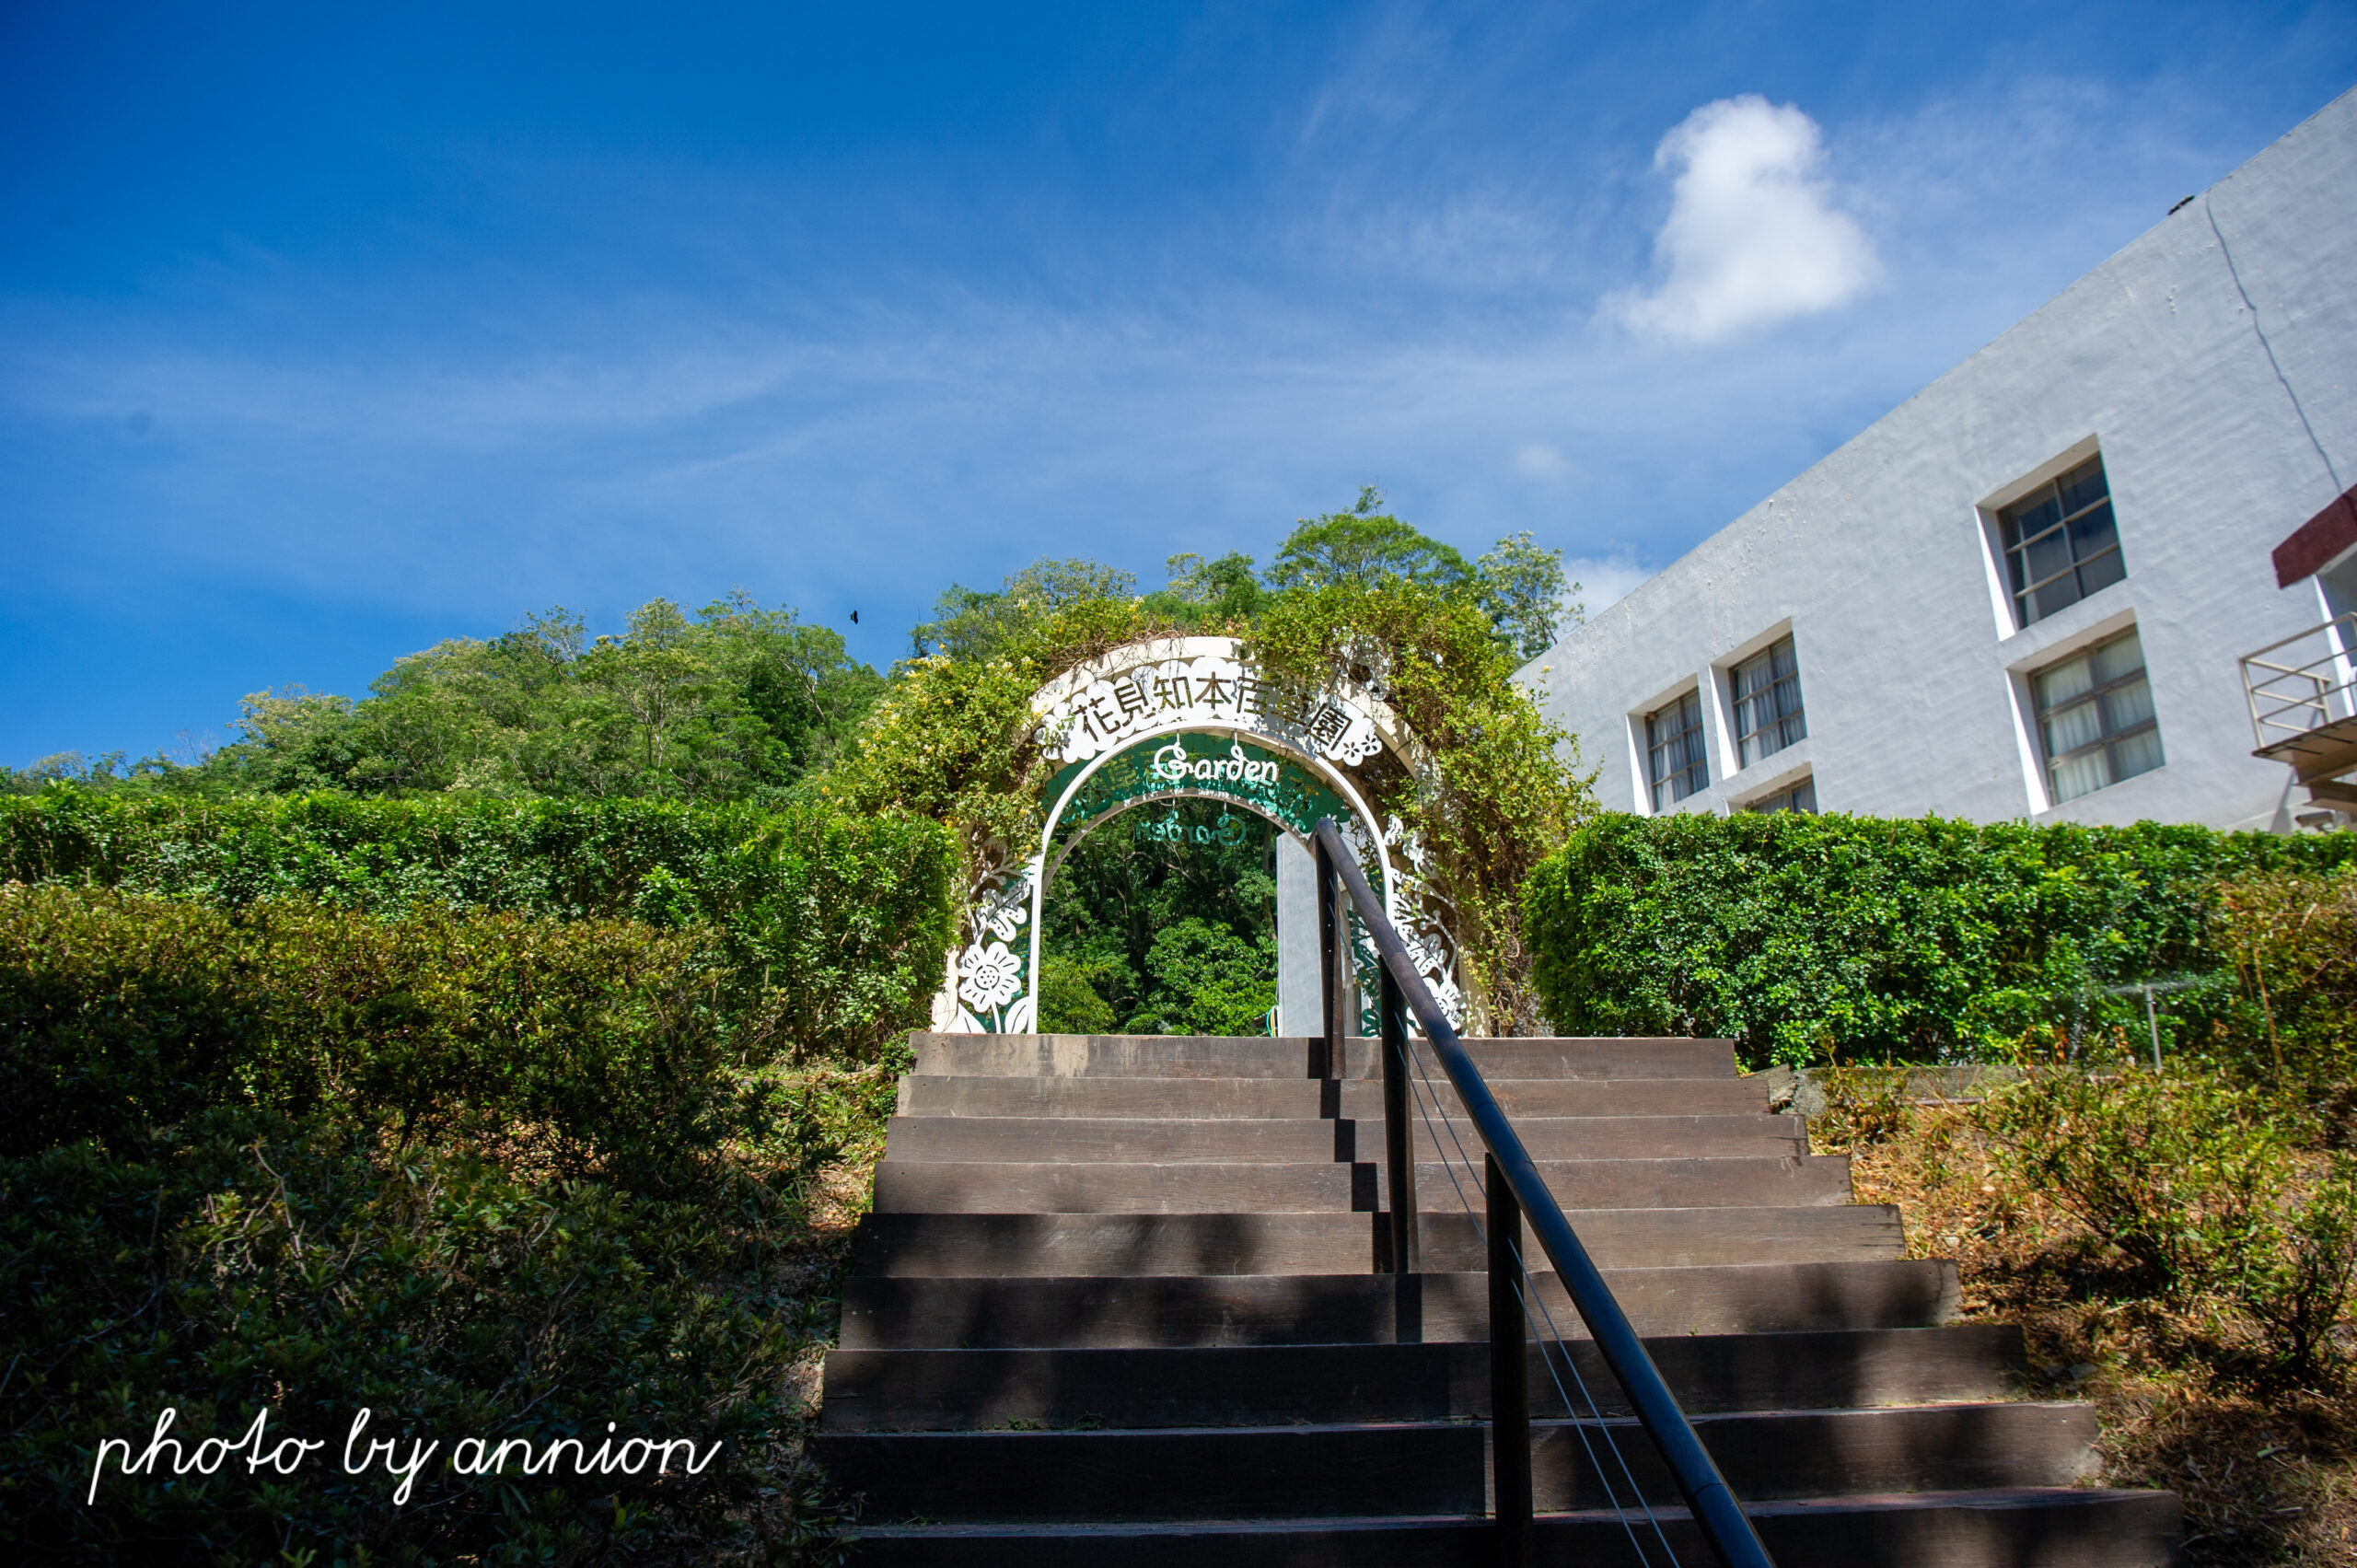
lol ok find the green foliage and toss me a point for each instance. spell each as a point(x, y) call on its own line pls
point(238, 1261)
point(972, 624)
point(737, 703)
point(1497, 791)
point(1523, 591)
point(2292, 940)
point(1210, 596)
point(491, 1173)
point(1120, 892)
point(1518, 586)
point(845, 917)
point(1072, 994)
point(122, 1011)
point(1364, 547)
point(1812, 938)
point(2203, 1188)
point(1207, 981)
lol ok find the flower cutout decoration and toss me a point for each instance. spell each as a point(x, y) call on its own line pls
point(990, 977)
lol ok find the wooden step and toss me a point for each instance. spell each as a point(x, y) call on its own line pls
point(957, 1390)
point(1276, 1141)
point(1273, 1309)
point(1360, 1099)
point(2014, 1527)
point(1068, 1244)
point(945, 1187)
point(1256, 1056)
point(1420, 1468)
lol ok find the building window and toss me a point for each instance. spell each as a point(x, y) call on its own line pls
point(2061, 543)
point(2095, 713)
point(1674, 750)
point(1768, 704)
point(1802, 797)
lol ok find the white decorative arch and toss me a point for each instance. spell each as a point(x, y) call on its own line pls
point(1119, 703)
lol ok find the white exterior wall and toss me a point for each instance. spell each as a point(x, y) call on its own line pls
point(2216, 378)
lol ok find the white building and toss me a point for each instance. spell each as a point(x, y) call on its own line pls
point(2025, 592)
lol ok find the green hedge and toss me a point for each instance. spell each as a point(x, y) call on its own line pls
point(608, 1040)
point(1807, 937)
point(845, 917)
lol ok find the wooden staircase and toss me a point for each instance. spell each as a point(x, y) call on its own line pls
point(1119, 1301)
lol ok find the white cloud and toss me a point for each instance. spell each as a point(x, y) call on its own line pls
point(1753, 236)
point(1539, 461)
point(1604, 580)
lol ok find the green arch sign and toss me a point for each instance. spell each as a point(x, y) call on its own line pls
point(1185, 717)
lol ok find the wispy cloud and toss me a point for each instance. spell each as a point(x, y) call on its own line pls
point(1754, 236)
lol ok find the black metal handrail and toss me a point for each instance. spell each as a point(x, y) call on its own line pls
point(1512, 1184)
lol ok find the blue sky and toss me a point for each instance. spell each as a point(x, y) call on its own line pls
point(325, 334)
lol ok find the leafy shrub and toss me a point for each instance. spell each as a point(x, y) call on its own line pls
point(491, 1173)
point(604, 1039)
point(242, 1260)
point(2293, 939)
point(1810, 937)
point(845, 917)
point(2204, 1186)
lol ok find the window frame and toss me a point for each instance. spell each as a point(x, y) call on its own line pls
point(1692, 733)
point(1776, 727)
point(2013, 546)
point(1782, 799)
point(2041, 713)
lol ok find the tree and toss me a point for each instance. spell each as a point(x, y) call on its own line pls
point(1522, 590)
point(972, 624)
point(1364, 547)
point(1210, 593)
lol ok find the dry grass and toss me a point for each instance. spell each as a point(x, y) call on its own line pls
point(2266, 1480)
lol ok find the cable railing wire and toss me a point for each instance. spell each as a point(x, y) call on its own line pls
point(1709, 1500)
point(1548, 1335)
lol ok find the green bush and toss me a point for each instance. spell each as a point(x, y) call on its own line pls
point(1808, 938)
point(603, 1040)
point(844, 916)
point(241, 1260)
point(2203, 1188)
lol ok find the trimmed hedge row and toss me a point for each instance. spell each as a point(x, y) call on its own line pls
point(1807, 939)
point(607, 1039)
point(845, 917)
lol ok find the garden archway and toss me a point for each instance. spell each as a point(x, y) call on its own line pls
point(1190, 717)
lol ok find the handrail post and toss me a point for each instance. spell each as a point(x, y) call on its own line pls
point(1509, 1375)
point(1330, 947)
point(1399, 1154)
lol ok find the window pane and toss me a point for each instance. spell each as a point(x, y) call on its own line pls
point(2101, 572)
point(2127, 706)
point(2137, 754)
point(1804, 795)
point(2081, 775)
point(2048, 555)
point(2122, 656)
point(2083, 484)
point(2064, 681)
point(2081, 724)
point(1784, 659)
point(2034, 517)
point(2093, 531)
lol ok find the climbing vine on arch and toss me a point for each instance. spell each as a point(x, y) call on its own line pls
point(954, 739)
point(1499, 786)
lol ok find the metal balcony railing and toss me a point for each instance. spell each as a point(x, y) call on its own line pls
point(2306, 682)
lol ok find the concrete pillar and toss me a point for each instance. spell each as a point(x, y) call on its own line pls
point(1299, 1003)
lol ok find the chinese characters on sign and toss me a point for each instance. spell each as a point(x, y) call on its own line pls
point(1206, 689)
